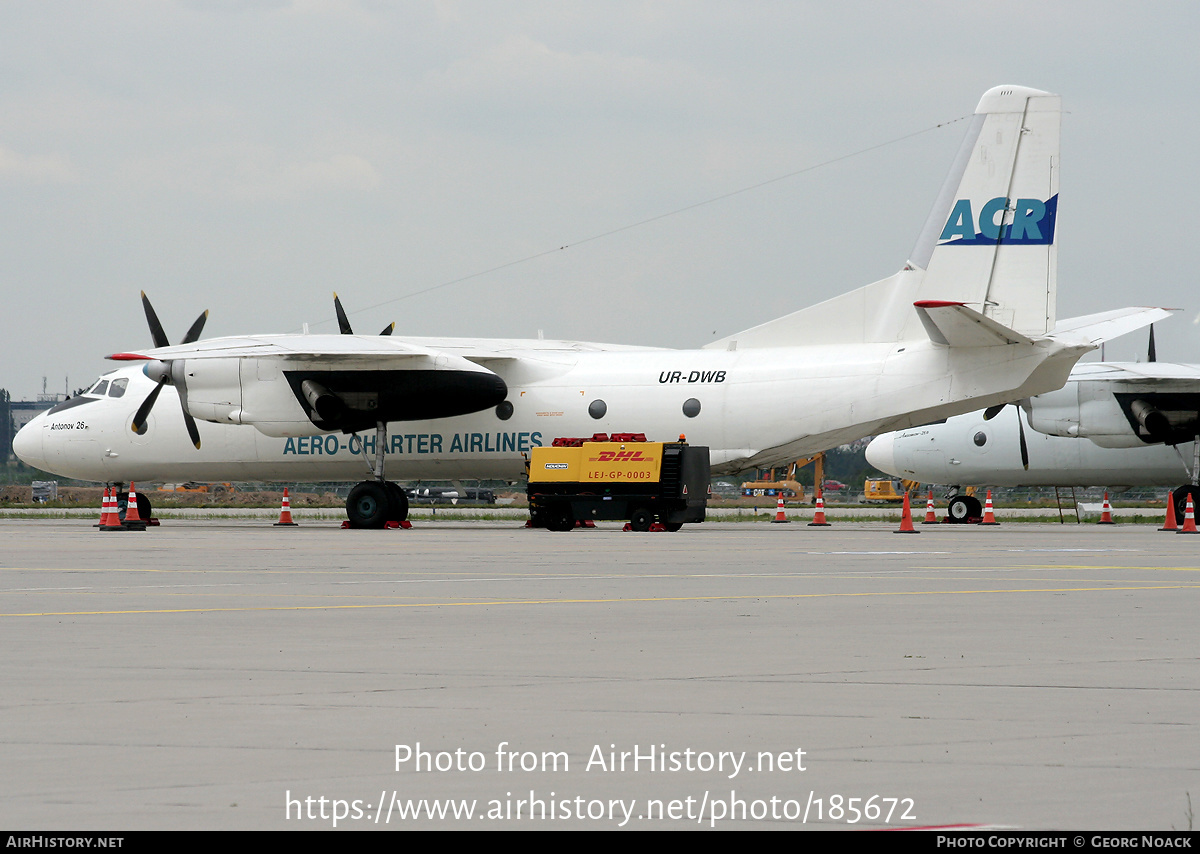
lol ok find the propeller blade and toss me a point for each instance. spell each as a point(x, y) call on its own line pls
point(139, 419)
point(194, 433)
point(387, 330)
point(1152, 356)
point(193, 334)
point(992, 411)
point(156, 330)
point(343, 321)
point(1021, 436)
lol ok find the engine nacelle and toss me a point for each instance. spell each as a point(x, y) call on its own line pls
point(211, 389)
point(1086, 409)
point(287, 397)
point(1115, 414)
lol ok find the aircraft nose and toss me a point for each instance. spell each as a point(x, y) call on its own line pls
point(27, 444)
point(881, 453)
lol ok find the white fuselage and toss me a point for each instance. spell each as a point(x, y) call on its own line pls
point(756, 407)
point(970, 451)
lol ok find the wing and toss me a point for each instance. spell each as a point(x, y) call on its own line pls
point(341, 383)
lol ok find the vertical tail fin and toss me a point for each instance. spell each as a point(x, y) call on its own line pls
point(989, 241)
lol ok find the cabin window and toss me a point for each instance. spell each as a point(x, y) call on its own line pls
point(691, 407)
point(505, 410)
point(981, 438)
point(597, 408)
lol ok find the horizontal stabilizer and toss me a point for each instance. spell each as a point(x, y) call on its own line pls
point(955, 325)
point(1095, 328)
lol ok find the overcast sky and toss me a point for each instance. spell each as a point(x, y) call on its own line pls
point(252, 157)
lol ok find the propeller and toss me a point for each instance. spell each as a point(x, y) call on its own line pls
point(167, 372)
point(344, 321)
point(1151, 353)
point(992, 411)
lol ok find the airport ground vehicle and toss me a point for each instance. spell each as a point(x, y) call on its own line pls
point(772, 489)
point(618, 477)
point(192, 486)
point(882, 490)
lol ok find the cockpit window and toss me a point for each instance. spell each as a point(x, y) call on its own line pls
point(99, 388)
point(118, 387)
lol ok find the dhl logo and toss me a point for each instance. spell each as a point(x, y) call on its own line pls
point(621, 457)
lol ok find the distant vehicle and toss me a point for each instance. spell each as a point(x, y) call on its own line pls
point(883, 490)
point(834, 485)
point(44, 491)
point(725, 489)
point(192, 486)
point(773, 489)
point(449, 495)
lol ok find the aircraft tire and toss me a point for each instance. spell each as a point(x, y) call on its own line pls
point(641, 519)
point(1179, 496)
point(144, 506)
point(672, 526)
point(399, 502)
point(369, 505)
point(962, 508)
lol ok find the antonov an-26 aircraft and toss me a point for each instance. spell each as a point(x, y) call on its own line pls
point(968, 322)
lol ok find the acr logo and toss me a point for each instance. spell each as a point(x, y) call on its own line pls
point(621, 457)
point(1032, 223)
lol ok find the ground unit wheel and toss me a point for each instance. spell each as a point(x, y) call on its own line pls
point(641, 519)
point(964, 507)
point(369, 505)
point(559, 518)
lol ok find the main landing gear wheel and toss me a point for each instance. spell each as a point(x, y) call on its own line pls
point(399, 506)
point(1179, 496)
point(370, 505)
point(374, 503)
point(641, 520)
point(964, 507)
point(672, 526)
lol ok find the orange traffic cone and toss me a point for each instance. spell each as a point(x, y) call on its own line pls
point(930, 514)
point(103, 510)
point(1170, 524)
point(110, 520)
point(133, 521)
point(780, 516)
point(285, 512)
point(906, 525)
point(1106, 512)
point(989, 517)
point(1189, 519)
point(819, 515)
